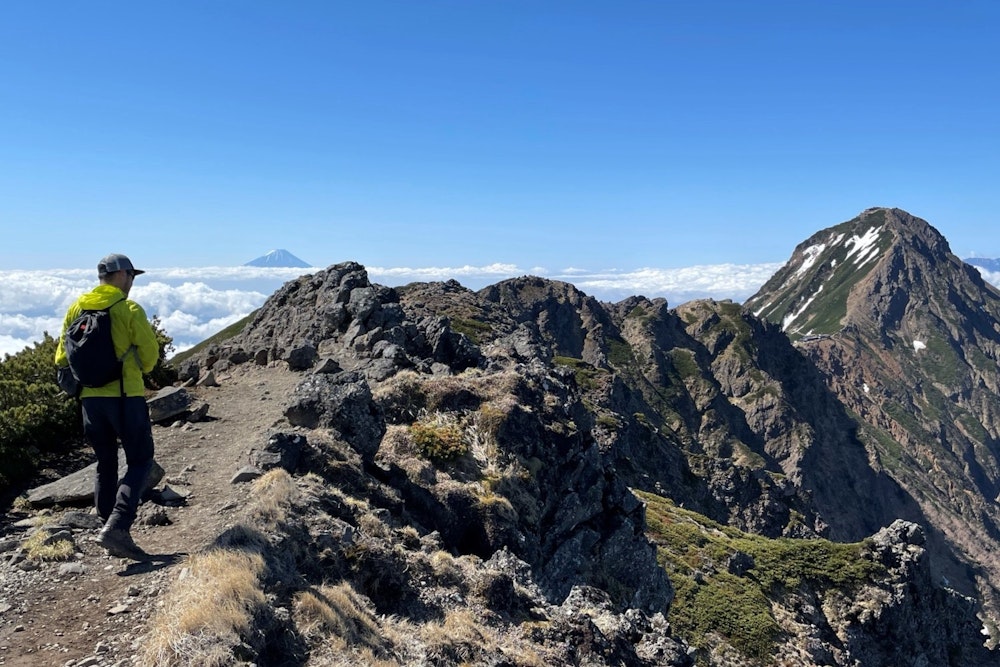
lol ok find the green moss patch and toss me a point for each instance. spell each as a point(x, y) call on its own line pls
point(714, 598)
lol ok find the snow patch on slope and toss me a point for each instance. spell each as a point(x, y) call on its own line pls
point(812, 253)
point(864, 246)
point(791, 317)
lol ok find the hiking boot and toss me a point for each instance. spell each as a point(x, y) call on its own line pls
point(119, 543)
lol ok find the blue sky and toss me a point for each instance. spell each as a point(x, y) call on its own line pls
point(543, 135)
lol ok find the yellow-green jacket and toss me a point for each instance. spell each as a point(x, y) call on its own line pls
point(129, 327)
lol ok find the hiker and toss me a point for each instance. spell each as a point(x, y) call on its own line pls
point(117, 410)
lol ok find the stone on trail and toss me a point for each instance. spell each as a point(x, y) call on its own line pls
point(168, 402)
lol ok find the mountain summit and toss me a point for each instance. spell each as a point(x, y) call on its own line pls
point(908, 338)
point(278, 258)
point(884, 267)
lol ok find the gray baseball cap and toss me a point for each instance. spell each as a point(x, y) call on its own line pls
point(116, 262)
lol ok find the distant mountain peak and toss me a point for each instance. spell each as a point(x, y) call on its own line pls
point(279, 258)
point(857, 271)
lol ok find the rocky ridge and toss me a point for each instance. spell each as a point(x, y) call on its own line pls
point(467, 479)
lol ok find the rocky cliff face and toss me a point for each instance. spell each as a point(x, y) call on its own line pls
point(907, 337)
point(515, 420)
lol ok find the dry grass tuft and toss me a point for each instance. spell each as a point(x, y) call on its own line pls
point(459, 638)
point(373, 526)
point(410, 537)
point(402, 397)
point(480, 436)
point(273, 494)
point(241, 538)
point(38, 548)
point(464, 639)
point(446, 568)
point(21, 505)
point(208, 612)
point(339, 618)
point(397, 443)
point(211, 610)
point(407, 394)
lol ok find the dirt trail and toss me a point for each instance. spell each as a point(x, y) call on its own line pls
point(51, 616)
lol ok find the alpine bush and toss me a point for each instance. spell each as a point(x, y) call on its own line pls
point(36, 417)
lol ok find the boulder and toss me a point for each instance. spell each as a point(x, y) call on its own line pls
point(246, 474)
point(327, 366)
point(208, 380)
point(199, 414)
point(362, 302)
point(301, 357)
point(168, 402)
point(342, 402)
point(447, 347)
point(189, 371)
point(82, 520)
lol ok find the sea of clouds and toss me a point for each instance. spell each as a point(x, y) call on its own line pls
point(194, 303)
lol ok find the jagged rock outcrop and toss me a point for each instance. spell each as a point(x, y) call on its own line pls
point(338, 314)
point(895, 609)
point(902, 618)
point(341, 402)
point(777, 452)
point(538, 488)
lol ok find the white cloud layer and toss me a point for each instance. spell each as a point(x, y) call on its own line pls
point(992, 277)
point(191, 303)
point(717, 281)
point(194, 303)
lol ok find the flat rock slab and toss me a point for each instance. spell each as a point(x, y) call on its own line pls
point(78, 487)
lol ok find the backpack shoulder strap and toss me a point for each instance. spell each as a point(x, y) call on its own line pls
point(121, 360)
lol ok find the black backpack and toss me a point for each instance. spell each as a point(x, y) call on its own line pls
point(91, 352)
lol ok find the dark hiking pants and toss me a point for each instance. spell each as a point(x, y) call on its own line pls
point(105, 421)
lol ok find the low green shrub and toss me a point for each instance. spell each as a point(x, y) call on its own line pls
point(584, 373)
point(474, 330)
point(438, 440)
point(711, 600)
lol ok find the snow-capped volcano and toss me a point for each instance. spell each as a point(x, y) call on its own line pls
point(281, 258)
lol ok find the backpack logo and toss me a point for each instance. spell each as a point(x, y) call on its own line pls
point(91, 350)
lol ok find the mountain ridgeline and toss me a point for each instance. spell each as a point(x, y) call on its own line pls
point(809, 479)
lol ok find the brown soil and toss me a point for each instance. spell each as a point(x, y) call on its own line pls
point(95, 618)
